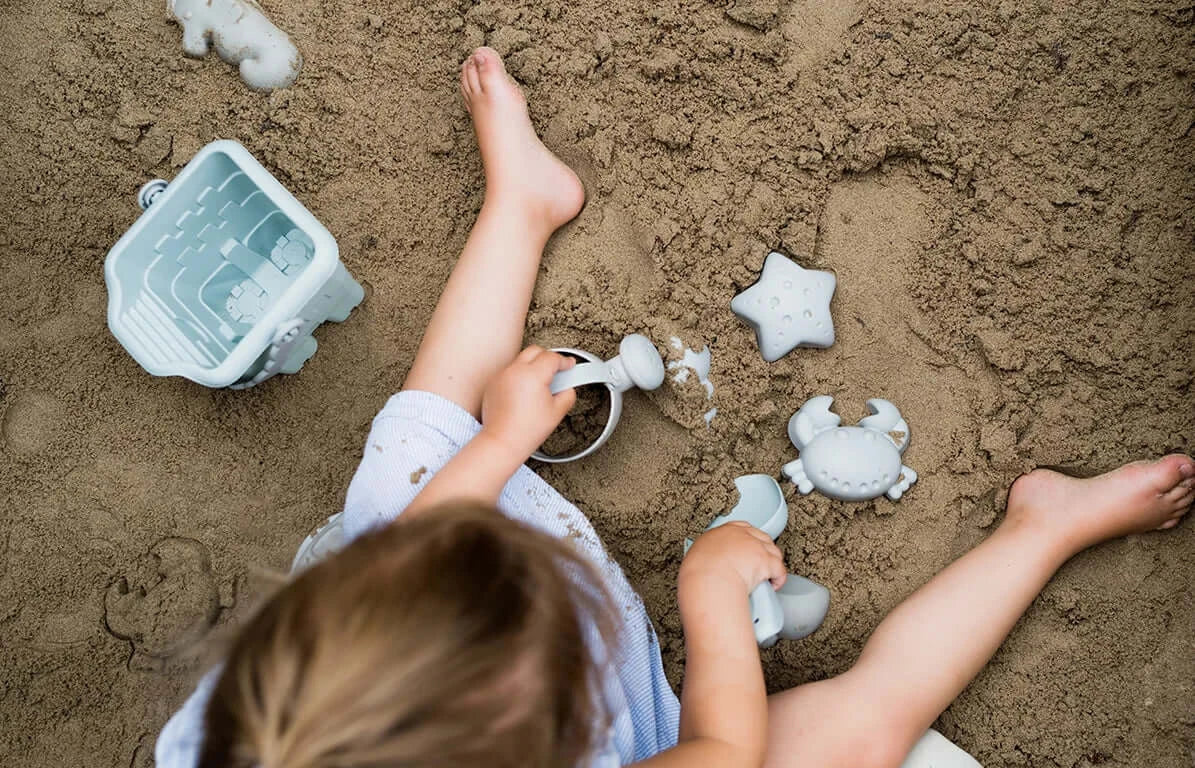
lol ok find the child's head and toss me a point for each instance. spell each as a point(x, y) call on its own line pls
point(452, 639)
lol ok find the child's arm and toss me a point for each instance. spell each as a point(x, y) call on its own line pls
point(724, 710)
point(518, 413)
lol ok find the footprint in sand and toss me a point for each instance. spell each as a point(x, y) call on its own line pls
point(166, 601)
point(31, 422)
point(872, 234)
point(613, 256)
point(143, 753)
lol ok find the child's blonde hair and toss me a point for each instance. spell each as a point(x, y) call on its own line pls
point(457, 638)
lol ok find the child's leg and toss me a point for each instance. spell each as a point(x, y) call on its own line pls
point(931, 646)
point(477, 327)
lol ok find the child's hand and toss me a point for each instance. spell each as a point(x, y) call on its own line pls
point(738, 552)
point(518, 409)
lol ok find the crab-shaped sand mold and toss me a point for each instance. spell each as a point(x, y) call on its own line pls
point(849, 463)
point(788, 307)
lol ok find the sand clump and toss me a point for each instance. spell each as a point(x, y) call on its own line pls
point(1004, 191)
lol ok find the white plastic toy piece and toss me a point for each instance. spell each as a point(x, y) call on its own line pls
point(326, 541)
point(638, 365)
point(788, 307)
point(849, 463)
point(936, 751)
point(242, 35)
point(761, 503)
point(225, 276)
point(798, 608)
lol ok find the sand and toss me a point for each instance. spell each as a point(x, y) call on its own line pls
point(1004, 189)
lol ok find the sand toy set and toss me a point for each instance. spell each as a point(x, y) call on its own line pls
point(225, 276)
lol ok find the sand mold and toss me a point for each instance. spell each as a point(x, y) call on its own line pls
point(1004, 191)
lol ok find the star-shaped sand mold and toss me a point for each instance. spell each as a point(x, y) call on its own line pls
point(788, 307)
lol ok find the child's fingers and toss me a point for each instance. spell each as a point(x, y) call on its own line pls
point(755, 533)
point(547, 364)
point(563, 402)
point(774, 559)
point(529, 354)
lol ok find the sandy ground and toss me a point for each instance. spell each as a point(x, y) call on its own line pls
point(1004, 190)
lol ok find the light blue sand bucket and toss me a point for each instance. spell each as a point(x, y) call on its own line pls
point(225, 276)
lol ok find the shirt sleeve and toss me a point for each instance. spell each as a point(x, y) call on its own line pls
point(181, 739)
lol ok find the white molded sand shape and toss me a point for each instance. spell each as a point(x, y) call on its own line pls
point(788, 307)
point(225, 275)
point(242, 35)
point(798, 608)
point(697, 363)
point(638, 364)
point(849, 463)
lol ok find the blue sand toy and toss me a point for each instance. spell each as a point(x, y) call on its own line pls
point(799, 607)
point(788, 307)
point(850, 463)
point(225, 276)
point(638, 364)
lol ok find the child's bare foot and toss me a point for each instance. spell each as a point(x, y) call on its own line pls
point(1138, 497)
point(519, 169)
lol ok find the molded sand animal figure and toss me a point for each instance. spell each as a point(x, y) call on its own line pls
point(242, 35)
point(849, 463)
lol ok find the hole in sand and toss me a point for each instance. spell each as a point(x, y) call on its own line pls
point(583, 424)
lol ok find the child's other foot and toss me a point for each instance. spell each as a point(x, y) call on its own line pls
point(1138, 497)
point(520, 171)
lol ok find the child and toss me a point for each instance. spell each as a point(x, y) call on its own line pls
point(458, 635)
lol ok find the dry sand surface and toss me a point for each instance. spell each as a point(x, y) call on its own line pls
point(1005, 191)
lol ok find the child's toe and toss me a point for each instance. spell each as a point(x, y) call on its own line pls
point(470, 79)
point(1171, 471)
point(491, 72)
point(488, 59)
point(1175, 495)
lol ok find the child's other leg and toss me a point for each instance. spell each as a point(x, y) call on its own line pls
point(477, 327)
point(931, 646)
